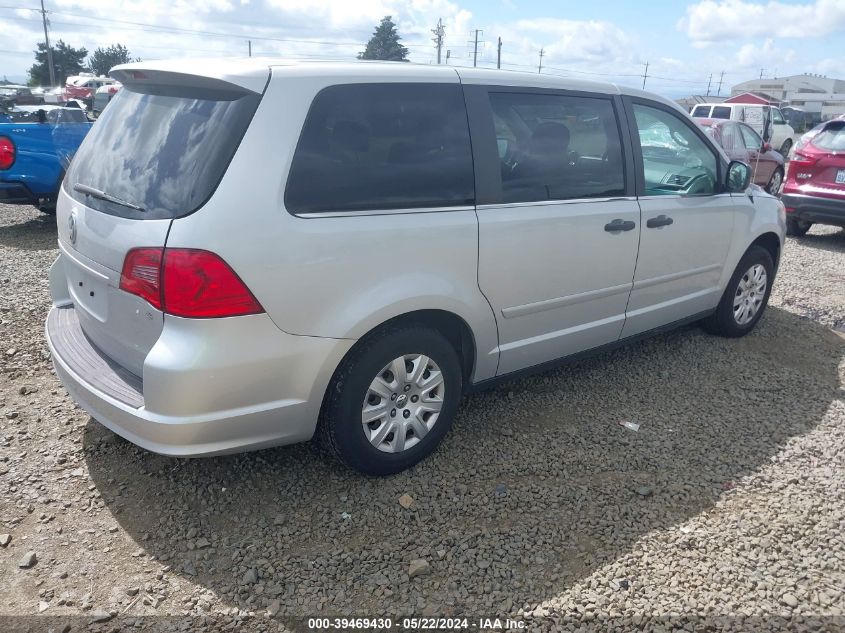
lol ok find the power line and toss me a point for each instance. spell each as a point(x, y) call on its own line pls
point(439, 32)
point(47, 44)
point(475, 48)
point(499, 54)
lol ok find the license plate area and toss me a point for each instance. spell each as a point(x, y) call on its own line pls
point(89, 289)
point(840, 177)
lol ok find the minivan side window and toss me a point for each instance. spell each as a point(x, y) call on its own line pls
point(721, 112)
point(702, 111)
point(383, 146)
point(557, 147)
point(675, 159)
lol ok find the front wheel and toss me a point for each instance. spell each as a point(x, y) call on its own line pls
point(746, 295)
point(392, 400)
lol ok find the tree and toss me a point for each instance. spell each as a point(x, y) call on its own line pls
point(103, 60)
point(384, 44)
point(67, 61)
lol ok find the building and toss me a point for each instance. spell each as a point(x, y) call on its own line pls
point(821, 97)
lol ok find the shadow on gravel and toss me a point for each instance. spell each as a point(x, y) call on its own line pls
point(37, 234)
point(536, 486)
point(828, 241)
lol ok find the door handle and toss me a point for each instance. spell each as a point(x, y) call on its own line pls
point(660, 220)
point(619, 225)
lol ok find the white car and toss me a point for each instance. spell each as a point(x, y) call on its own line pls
point(783, 136)
point(254, 252)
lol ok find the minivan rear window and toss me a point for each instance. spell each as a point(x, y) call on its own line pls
point(159, 151)
point(382, 146)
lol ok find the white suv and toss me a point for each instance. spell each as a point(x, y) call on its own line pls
point(782, 135)
point(254, 252)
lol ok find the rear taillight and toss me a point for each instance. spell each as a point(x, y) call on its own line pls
point(7, 152)
point(187, 282)
point(141, 274)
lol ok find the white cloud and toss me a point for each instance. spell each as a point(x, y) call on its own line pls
point(751, 55)
point(713, 21)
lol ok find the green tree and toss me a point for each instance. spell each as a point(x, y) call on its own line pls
point(103, 60)
point(67, 61)
point(384, 44)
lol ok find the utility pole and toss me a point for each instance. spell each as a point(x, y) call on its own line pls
point(709, 81)
point(645, 74)
point(499, 54)
point(719, 91)
point(540, 67)
point(49, 50)
point(475, 49)
point(761, 72)
point(448, 55)
point(439, 32)
point(249, 43)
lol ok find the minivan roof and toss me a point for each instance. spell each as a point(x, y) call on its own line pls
point(251, 73)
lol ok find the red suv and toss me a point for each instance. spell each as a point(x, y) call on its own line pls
point(814, 189)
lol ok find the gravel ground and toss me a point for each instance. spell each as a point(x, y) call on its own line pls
point(726, 507)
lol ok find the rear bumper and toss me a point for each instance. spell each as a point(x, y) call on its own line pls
point(12, 192)
point(815, 209)
point(192, 404)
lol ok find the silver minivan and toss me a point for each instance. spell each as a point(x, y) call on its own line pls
point(256, 252)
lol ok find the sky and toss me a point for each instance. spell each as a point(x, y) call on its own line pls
point(684, 43)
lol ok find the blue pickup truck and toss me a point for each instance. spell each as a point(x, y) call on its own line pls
point(36, 145)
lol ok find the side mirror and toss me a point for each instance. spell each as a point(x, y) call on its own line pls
point(738, 177)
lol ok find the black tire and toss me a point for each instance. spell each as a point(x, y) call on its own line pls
point(797, 228)
point(340, 429)
point(48, 207)
point(722, 321)
point(784, 149)
point(775, 181)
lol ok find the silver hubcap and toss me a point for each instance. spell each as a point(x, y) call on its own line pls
point(750, 294)
point(775, 184)
point(403, 403)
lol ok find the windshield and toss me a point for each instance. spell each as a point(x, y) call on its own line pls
point(163, 150)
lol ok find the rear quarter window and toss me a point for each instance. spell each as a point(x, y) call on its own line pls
point(381, 147)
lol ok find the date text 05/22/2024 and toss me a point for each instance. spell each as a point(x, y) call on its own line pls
point(416, 624)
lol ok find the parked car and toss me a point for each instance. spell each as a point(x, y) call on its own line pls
point(741, 142)
point(230, 279)
point(54, 95)
point(36, 146)
point(783, 136)
point(814, 189)
point(102, 97)
point(11, 96)
point(83, 87)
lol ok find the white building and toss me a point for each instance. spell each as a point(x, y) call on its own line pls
point(822, 97)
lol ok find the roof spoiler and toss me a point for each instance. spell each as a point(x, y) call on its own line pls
point(133, 75)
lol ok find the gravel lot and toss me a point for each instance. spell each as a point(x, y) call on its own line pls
point(727, 507)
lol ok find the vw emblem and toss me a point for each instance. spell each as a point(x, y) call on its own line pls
point(71, 226)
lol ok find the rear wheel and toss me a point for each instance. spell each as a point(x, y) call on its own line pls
point(745, 297)
point(784, 149)
point(775, 181)
point(797, 228)
point(392, 400)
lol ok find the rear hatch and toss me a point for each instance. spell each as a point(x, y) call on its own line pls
point(829, 171)
point(156, 154)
